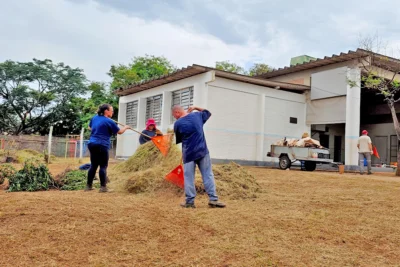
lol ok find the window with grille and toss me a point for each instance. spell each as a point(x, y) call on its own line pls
point(154, 108)
point(131, 113)
point(183, 97)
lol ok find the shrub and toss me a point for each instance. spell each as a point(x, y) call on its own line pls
point(6, 171)
point(74, 180)
point(34, 176)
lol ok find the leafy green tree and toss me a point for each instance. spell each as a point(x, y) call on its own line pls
point(33, 93)
point(67, 119)
point(99, 94)
point(230, 67)
point(141, 68)
point(259, 68)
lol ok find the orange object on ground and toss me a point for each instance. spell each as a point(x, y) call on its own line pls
point(176, 176)
point(341, 169)
point(375, 152)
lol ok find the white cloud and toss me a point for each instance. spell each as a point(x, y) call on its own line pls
point(88, 36)
point(93, 36)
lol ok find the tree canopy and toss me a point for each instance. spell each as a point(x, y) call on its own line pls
point(35, 93)
point(141, 68)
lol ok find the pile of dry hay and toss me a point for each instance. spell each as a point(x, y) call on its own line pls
point(145, 172)
point(20, 156)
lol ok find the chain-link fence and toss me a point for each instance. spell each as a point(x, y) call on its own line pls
point(61, 146)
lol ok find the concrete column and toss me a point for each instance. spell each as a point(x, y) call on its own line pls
point(122, 113)
point(261, 126)
point(166, 111)
point(121, 119)
point(142, 113)
point(352, 130)
point(307, 127)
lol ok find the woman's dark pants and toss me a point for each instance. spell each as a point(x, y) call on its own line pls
point(98, 158)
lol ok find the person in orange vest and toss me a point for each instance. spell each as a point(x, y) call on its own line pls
point(365, 151)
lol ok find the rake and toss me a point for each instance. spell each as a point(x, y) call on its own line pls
point(161, 142)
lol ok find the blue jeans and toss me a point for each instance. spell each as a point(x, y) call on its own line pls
point(368, 157)
point(207, 175)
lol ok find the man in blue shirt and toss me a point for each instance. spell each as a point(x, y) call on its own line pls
point(189, 131)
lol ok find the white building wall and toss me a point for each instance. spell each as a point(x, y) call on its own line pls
point(326, 111)
point(129, 141)
point(327, 102)
point(304, 77)
point(329, 83)
point(246, 119)
point(232, 129)
point(277, 120)
point(242, 126)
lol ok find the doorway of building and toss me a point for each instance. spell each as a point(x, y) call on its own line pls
point(394, 146)
point(381, 143)
point(337, 149)
point(324, 140)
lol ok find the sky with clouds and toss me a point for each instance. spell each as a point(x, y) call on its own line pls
point(94, 34)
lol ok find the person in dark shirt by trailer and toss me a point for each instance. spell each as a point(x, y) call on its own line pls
point(189, 131)
point(102, 128)
point(151, 130)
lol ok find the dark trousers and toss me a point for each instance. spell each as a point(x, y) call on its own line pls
point(98, 158)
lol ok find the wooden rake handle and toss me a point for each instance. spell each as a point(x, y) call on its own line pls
point(130, 128)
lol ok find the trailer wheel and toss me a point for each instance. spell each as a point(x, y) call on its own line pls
point(310, 166)
point(284, 162)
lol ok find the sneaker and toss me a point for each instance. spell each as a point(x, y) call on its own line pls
point(216, 204)
point(88, 188)
point(188, 205)
point(104, 189)
point(369, 173)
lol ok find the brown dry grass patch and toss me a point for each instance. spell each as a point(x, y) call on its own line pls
point(300, 219)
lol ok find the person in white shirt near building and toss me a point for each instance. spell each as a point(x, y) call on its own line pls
point(365, 151)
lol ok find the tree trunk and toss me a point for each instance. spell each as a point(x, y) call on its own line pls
point(397, 129)
point(398, 163)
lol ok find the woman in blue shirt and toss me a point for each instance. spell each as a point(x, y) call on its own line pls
point(151, 130)
point(102, 128)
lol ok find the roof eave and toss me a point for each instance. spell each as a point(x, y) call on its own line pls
point(198, 69)
point(343, 57)
point(261, 82)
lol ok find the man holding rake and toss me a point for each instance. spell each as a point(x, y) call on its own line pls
point(189, 131)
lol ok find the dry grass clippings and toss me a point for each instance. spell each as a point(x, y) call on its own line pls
point(145, 172)
point(302, 219)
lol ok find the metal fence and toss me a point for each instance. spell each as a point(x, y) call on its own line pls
point(61, 146)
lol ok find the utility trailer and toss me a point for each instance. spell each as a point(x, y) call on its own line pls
point(310, 156)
